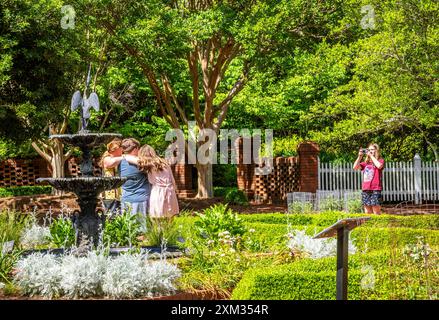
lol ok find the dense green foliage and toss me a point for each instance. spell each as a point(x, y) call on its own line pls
point(393, 247)
point(122, 230)
point(24, 191)
point(316, 280)
point(62, 232)
point(312, 70)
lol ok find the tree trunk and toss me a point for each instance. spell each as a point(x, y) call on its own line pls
point(57, 163)
point(205, 182)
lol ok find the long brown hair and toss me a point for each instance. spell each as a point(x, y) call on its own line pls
point(149, 160)
point(112, 146)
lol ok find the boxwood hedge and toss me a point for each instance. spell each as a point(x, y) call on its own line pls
point(309, 279)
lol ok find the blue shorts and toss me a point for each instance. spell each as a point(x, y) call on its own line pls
point(371, 198)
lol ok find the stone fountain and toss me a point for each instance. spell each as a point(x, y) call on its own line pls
point(87, 187)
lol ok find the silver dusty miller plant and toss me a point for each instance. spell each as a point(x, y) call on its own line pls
point(300, 242)
point(125, 276)
point(34, 236)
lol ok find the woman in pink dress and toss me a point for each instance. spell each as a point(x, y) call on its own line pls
point(163, 199)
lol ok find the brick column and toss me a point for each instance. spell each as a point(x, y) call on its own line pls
point(183, 179)
point(308, 166)
point(245, 172)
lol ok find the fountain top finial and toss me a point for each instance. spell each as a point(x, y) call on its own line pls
point(85, 103)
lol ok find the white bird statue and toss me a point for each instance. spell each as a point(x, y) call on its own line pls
point(85, 103)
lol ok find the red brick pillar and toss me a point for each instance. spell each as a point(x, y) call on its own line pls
point(183, 179)
point(245, 172)
point(308, 166)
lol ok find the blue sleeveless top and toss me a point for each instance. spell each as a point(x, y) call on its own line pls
point(136, 189)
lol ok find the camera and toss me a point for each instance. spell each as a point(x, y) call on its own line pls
point(364, 151)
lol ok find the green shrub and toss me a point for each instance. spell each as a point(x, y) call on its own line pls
point(236, 196)
point(330, 204)
point(371, 276)
point(224, 175)
point(325, 219)
point(300, 207)
point(220, 191)
point(122, 230)
point(7, 263)
point(371, 238)
point(12, 225)
point(282, 283)
point(161, 231)
point(24, 191)
point(216, 219)
point(62, 232)
point(274, 236)
point(354, 206)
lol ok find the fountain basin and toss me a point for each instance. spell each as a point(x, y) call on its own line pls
point(86, 139)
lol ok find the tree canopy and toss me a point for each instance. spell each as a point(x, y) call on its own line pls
point(341, 73)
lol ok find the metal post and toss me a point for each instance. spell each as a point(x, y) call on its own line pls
point(418, 178)
point(342, 263)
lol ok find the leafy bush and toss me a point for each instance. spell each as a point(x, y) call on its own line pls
point(300, 207)
point(221, 191)
point(216, 219)
point(371, 276)
point(62, 232)
point(330, 204)
point(24, 191)
point(354, 206)
point(161, 231)
point(224, 175)
point(122, 230)
point(368, 238)
point(326, 219)
point(236, 196)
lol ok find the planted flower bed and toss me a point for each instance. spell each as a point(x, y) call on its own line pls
point(220, 254)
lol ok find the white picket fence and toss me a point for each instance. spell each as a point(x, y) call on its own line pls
point(415, 180)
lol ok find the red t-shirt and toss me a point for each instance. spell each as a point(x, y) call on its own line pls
point(372, 176)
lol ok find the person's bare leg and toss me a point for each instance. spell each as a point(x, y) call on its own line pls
point(376, 209)
point(368, 209)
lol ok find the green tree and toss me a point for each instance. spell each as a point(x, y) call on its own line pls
point(198, 55)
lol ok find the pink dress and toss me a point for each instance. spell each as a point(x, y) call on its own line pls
point(163, 199)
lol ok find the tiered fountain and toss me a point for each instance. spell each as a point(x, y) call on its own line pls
point(87, 187)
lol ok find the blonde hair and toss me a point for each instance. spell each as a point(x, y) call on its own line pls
point(112, 146)
point(149, 160)
point(377, 148)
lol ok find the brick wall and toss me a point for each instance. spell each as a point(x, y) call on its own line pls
point(22, 172)
point(289, 174)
